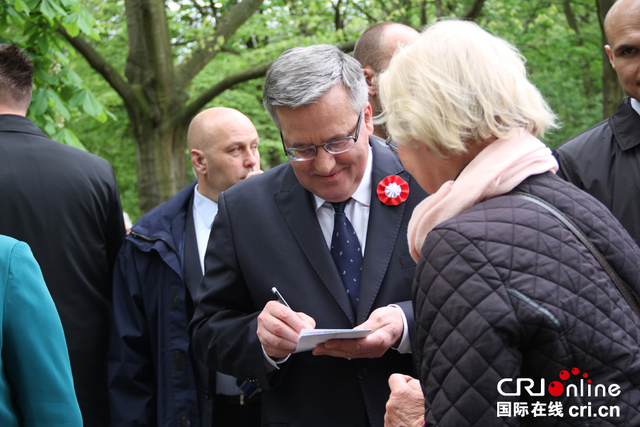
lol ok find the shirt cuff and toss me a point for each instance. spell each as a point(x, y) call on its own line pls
point(271, 364)
point(405, 344)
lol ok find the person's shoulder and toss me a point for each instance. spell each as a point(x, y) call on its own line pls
point(586, 140)
point(162, 215)
point(6, 245)
point(261, 185)
point(77, 154)
point(13, 250)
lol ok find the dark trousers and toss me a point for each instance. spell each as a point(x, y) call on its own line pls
point(231, 411)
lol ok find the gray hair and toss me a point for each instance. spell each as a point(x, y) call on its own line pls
point(301, 76)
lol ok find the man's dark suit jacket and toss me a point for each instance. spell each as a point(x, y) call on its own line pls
point(64, 203)
point(267, 234)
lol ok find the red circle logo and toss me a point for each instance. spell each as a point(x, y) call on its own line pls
point(556, 388)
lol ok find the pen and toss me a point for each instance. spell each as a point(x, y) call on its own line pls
point(274, 290)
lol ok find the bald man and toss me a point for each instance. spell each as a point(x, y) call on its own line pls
point(153, 378)
point(374, 49)
point(605, 160)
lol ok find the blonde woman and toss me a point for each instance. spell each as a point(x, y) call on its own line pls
point(504, 291)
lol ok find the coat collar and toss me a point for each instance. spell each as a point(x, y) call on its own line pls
point(16, 123)
point(163, 228)
point(625, 123)
point(297, 207)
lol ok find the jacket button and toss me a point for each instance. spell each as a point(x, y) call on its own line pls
point(184, 421)
point(362, 373)
point(207, 394)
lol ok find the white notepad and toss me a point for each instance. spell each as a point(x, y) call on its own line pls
point(310, 338)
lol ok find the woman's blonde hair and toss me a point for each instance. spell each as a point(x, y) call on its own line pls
point(459, 84)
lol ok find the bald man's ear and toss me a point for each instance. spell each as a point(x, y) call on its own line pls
point(198, 161)
point(370, 76)
point(610, 55)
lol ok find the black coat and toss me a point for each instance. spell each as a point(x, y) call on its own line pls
point(152, 377)
point(64, 203)
point(504, 290)
point(604, 161)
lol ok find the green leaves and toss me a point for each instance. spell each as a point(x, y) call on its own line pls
point(33, 25)
point(89, 104)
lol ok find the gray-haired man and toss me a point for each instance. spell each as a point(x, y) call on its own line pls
point(278, 230)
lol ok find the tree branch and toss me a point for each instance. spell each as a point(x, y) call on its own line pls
point(104, 68)
point(475, 11)
point(225, 28)
point(371, 18)
point(226, 83)
point(384, 7)
point(233, 79)
point(571, 18)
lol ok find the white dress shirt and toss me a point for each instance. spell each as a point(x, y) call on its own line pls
point(635, 105)
point(357, 209)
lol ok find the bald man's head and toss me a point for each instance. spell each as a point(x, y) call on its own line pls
point(622, 27)
point(374, 49)
point(223, 144)
point(376, 46)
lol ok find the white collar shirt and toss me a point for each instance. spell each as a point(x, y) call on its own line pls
point(357, 210)
point(635, 105)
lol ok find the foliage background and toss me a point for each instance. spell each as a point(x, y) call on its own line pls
point(564, 59)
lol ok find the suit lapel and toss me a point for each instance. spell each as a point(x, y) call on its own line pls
point(296, 206)
point(382, 232)
point(191, 265)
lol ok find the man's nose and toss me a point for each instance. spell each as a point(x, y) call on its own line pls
point(324, 161)
point(250, 158)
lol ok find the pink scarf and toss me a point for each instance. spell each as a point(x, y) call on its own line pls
point(496, 170)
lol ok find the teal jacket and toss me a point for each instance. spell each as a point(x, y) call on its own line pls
point(36, 385)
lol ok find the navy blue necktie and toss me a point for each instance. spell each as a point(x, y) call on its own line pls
point(346, 252)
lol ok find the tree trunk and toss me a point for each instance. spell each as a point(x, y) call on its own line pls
point(587, 81)
point(612, 93)
point(161, 161)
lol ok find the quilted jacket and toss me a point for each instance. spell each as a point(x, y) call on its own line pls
point(504, 291)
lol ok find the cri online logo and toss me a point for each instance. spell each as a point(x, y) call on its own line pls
point(556, 388)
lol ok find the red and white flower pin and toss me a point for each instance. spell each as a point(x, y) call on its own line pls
point(393, 190)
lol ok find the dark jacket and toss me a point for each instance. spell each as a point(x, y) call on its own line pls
point(151, 373)
point(604, 161)
point(64, 203)
point(504, 290)
point(266, 234)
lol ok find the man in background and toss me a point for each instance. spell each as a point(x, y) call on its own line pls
point(605, 160)
point(154, 380)
point(374, 49)
point(64, 203)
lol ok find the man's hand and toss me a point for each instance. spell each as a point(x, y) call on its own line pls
point(253, 173)
point(386, 330)
point(279, 329)
point(405, 407)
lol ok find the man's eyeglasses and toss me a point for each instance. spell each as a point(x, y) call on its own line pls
point(392, 144)
point(343, 145)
